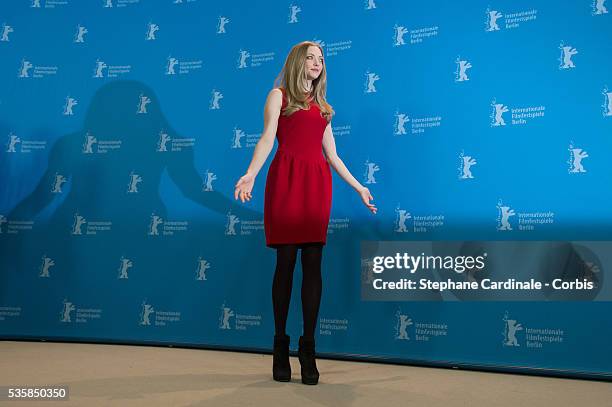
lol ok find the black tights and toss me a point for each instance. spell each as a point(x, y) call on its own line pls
point(286, 255)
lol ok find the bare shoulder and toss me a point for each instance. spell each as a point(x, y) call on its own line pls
point(276, 93)
point(275, 96)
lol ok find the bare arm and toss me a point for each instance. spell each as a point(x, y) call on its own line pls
point(329, 148)
point(266, 141)
point(264, 146)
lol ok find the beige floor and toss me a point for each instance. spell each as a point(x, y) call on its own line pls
point(118, 375)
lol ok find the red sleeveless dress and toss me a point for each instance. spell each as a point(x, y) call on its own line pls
point(298, 193)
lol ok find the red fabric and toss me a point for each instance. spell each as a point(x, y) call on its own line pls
point(298, 194)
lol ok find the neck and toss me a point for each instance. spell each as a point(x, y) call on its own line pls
point(308, 85)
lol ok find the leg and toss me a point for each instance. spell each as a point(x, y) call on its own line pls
point(311, 286)
point(281, 296)
point(311, 298)
point(281, 286)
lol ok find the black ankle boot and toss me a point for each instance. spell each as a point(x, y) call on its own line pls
point(306, 354)
point(281, 368)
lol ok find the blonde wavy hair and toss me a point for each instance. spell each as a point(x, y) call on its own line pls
point(293, 76)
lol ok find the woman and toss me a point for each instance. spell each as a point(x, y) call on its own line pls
point(298, 192)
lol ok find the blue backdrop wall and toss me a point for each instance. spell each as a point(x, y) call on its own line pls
point(126, 124)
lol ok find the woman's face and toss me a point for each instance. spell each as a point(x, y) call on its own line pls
point(314, 62)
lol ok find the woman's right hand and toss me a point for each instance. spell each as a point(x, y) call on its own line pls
point(244, 186)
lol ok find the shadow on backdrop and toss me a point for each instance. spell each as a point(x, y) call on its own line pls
point(82, 184)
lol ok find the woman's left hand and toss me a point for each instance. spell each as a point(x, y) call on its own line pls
point(366, 197)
